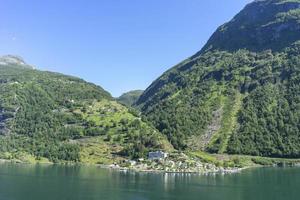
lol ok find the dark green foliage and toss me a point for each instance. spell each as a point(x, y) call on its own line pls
point(269, 122)
point(94, 131)
point(263, 161)
point(139, 143)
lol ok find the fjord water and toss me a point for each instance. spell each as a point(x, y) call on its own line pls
point(36, 182)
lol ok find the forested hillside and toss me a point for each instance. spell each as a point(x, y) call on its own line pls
point(240, 94)
point(59, 117)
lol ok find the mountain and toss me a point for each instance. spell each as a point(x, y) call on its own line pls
point(262, 25)
point(46, 115)
point(129, 98)
point(240, 93)
point(9, 60)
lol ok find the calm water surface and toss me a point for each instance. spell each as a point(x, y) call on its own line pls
point(26, 182)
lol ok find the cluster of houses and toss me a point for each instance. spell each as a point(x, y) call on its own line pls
point(153, 156)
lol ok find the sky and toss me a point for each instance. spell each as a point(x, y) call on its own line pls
point(121, 45)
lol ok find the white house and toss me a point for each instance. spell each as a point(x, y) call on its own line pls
point(157, 155)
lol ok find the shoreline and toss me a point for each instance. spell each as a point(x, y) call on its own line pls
point(233, 171)
point(126, 169)
point(206, 169)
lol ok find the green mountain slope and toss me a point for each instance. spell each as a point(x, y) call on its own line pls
point(240, 93)
point(262, 25)
point(59, 117)
point(129, 98)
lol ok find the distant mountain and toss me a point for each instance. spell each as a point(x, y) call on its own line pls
point(240, 94)
point(129, 98)
point(63, 118)
point(10, 60)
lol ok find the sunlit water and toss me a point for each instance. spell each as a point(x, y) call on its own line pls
point(29, 182)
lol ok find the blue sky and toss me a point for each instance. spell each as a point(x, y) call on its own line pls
point(118, 44)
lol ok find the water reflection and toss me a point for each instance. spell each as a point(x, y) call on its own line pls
point(35, 182)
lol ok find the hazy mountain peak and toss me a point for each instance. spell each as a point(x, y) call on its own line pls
point(14, 60)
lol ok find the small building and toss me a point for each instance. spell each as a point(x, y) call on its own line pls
point(132, 163)
point(157, 155)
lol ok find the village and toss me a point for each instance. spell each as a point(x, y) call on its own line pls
point(160, 161)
